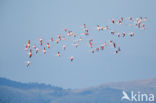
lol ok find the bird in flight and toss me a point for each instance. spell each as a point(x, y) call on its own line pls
point(85, 35)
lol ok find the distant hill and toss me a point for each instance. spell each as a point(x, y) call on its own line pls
point(147, 85)
point(10, 83)
point(16, 92)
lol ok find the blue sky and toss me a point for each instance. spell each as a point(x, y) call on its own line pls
point(23, 20)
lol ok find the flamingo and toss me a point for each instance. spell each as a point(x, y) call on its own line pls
point(119, 49)
point(131, 34)
point(98, 28)
point(119, 21)
point(71, 58)
point(41, 41)
point(64, 47)
point(104, 44)
point(90, 44)
point(92, 51)
point(30, 53)
point(48, 45)
point(101, 28)
point(86, 30)
point(84, 25)
point(34, 46)
point(26, 48)
point(114, 45)
point(106, 27)
point(121, 18)
point(63, 38)
point(123, 34)
point(76, 45)
point(58, 53)
point(44, 50)
point(113, 21)
point(102, 47)
point(74, 35)
point(143, 26)
point(116, 52)
point(57, 41)
point(51, 39)
point(130, 18)
point(86, 33)
point(59, 36)
point(65, 29)
point(28, 63)
point(29, 43)
point(118, 34)
point(111, 42)
point(79, 40)
point(37, 50)
point(97, 49)
point(112, 32)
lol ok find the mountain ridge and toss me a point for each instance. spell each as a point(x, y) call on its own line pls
point(17, 92)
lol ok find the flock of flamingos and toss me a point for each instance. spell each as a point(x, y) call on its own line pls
point(44, 46)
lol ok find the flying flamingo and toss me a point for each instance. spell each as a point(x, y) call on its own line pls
point(30, 53)
point(71, 58)
point(41, 41)
point(28, 63)
point(44, 50)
